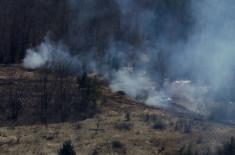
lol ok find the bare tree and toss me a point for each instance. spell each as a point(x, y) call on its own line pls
point(15, 98)
point(63, 90)
point(45, 97)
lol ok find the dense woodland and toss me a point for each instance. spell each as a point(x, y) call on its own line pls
point(25, 23)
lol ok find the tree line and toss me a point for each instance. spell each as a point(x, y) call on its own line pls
point(82, 24)
point(24, 24)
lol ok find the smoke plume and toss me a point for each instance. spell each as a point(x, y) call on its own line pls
point(157, 52)
point(51, 55)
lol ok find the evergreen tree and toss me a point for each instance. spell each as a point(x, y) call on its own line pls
point(67, 149)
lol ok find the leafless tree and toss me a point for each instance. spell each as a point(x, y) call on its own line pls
point(15, 98)
point(45, 96)
point(63, 91)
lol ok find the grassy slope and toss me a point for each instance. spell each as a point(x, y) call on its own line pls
point(140, 139)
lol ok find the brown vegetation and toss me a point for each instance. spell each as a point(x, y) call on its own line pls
point(46, 97)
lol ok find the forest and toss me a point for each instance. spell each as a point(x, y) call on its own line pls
point(25, 23)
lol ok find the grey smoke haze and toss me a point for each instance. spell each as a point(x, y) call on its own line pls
point(162, 47)
point(210, 50)
point(50, 55)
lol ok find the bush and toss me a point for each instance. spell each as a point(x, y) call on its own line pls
point(67, 149)
point(182, 125)
point(85, 106)
point(123, 126)
point(228, 148)
point(155, 142)
point(118, 147)
point(149, 118)
point(159, 125)
point(187, 150)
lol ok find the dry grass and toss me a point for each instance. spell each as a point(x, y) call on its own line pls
point(139, 139)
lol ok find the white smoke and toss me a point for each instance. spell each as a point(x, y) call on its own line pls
point(140, 87)
point(211, 48)
point(193, 97)
point(39, 57)
point(207, 55)
point(51, 55)
point(133, 83)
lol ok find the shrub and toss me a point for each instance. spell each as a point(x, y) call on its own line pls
point(155, 142)
point(187, 150)
point(228, 148)
point(182, 125)
point(67, 149)
point(128, 116)
point(149, 118)
point(118, 147)
point(159, 125)
point(123, 126)
point(86, 104)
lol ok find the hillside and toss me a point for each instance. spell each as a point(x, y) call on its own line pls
point(120, 126)
point(117, 77)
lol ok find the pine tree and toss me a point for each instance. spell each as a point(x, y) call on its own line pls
point(67, 149)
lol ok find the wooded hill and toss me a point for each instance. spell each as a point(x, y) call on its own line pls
point(82, 24)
